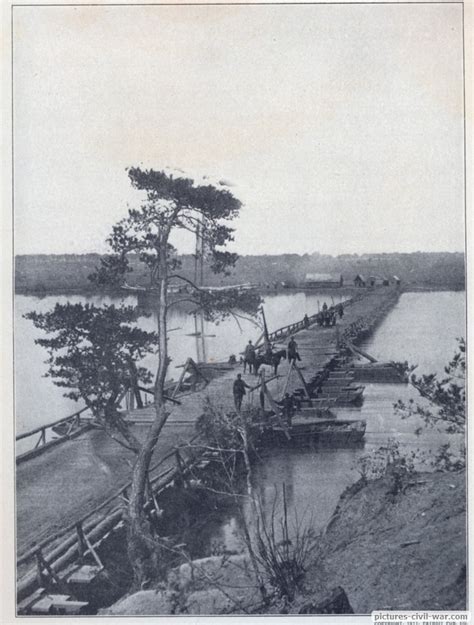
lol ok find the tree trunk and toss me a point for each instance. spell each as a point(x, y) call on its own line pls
point(248, 539)
point(134, 380)
point(114, 420)
point(143, 551)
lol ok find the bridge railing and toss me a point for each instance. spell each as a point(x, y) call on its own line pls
point(67, 545)
point(63, 428)
point(286, 331)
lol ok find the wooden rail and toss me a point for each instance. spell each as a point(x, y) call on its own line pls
point(288, 330)
point(73, 426)
point(75, 418)
point(90, 529)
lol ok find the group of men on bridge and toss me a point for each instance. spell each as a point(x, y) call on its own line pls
point(327, 317)
point(288, 404)
point(253, 358)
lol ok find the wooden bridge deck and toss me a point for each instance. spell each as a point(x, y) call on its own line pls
point(316, 346)
point(66, 481)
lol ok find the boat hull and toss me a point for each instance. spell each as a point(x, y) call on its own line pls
point(324, 433)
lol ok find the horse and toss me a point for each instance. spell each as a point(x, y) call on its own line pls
point(250, 360)
point(273, 360)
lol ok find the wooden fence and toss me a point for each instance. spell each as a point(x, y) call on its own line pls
point(64, 428)
point(81, 538)
point(292, 328)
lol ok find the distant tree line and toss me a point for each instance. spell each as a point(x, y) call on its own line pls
point(69, 272)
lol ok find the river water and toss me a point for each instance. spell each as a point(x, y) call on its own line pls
point(39, 401)
point(421, 329)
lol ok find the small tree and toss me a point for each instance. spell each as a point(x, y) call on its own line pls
point(169, 204)
point(444, 409)
point(278, 553)
point(92, 352)
point(446, 402)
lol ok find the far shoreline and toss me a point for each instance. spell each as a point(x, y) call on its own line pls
point(345, 290)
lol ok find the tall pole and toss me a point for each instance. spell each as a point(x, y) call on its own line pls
point(197, 255)
point(265, 329)
point(199, 281)
point(201, 257)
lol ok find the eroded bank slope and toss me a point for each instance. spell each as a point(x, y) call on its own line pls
point(399, 551)
point(403, 551)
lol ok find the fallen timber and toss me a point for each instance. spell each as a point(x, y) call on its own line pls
point(322, 352)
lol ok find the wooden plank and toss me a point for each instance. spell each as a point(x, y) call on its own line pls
point(84, 574)
point(358, 350)
point(69, 607)
point(305, 386)
point(181, 378)
point(277, 410)
point(290, 369)
point(30, 600)
point(46, 604)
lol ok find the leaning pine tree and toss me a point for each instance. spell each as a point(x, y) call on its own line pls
point(169, 204)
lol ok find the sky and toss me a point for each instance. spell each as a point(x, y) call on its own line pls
point(340, 127)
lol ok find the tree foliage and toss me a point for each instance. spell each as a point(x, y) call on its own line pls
point(446, 397)
point(168, 205)
point(279, 553)
point(92, 353)
point(443, 408)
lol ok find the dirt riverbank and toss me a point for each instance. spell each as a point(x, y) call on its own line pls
point(404, 551)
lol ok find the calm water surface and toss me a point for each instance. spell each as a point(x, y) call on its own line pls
point(422, 329)
point(39, 401)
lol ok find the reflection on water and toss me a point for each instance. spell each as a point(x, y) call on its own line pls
point(422, 329)
point(38, 401)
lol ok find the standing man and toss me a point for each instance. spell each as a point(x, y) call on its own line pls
point(293, 355)
point(239, 391)
point(249, 357)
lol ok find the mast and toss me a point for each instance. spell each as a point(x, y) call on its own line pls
point(266, 339)
point(201, 355)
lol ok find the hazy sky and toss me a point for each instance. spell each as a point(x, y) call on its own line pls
point(340, 127)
